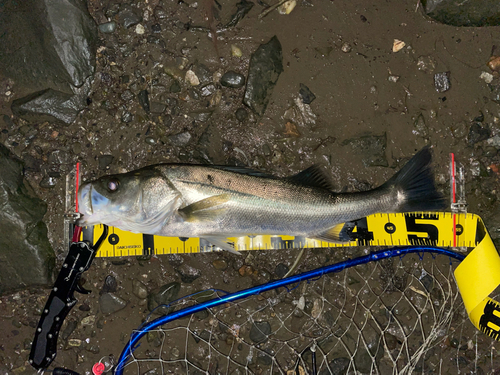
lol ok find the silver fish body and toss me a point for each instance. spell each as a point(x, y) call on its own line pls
point(220, 202)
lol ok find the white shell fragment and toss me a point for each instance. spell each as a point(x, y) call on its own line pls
point(192, 78)
point(486, 77)
point(397, 45)
point(139, 29)
point(287, 7)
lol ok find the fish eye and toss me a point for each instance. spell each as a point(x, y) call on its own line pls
point(113, 185)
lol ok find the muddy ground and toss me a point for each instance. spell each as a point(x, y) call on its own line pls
point(341, 50)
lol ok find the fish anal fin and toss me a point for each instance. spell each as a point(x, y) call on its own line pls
point(333, 234)
point(313, 177)
point(222, 243)
point(205, 209)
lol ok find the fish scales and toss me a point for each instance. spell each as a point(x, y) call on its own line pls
point(216, 202)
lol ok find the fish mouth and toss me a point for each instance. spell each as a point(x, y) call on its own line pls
point(85, 203)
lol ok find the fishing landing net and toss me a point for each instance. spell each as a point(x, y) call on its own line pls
point(399, 315)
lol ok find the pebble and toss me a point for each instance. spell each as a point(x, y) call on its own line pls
point(104, 161)
point(281, 270)
point(232, 79)
point(175, 87)
point(486, 77)
point(139, 29)
point(150, 141)
point(143, 97)
point(157, 107)
point(306, 95)
point(201, 115)
point(187, 273)
point(109, 303)
point(192, 78)
point(260, 331)
point(163, 296)
point(346, 47)
point(48, 182)
point(236, 51)
point(128, 18)
point(442, 81)
point(180, 139)
point(393, 78)
point(208, 90)
point(246, 270)
point(127, 117)
point(220, 264)
point(241, 114)
point(156, 28)
point(139, 289)
point(108, 27)
point(426, 64)
point(110, 285)
point(76, 148)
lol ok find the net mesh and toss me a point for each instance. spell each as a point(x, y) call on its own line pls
point(397, 316)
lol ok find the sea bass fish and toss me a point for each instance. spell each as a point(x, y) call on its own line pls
point(216, 202)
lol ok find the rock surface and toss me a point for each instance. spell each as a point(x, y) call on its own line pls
point(26, 257)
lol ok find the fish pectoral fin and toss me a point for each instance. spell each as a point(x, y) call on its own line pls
point(206, 209)
point(336, 233)
point(222, 243)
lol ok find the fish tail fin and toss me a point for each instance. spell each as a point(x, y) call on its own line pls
point(415, 183)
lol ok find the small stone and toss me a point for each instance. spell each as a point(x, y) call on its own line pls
point(139, 29)
point(127, 117)
point(109, 303)
point(241, 114)
point(150, 141)
point(156, 28)
point(246, 270)
point(157, 107)
point(163, 296)
point(191, 78)
point(139, 289)
point(89, 320)
point(104, 161)
point(306, 95)
point(76, 148)
point(220, 264)
point(486, 77)
point(236, 51)
point(478, 133)
point(426, 64)
point(260, 332)
point(346, 47)
point(180, 139)
point(494, 63)
point(128, 18)
point(281, 270)
point(75, 343)
point(208, 90)
point(143, 97)
point(108, 27)
point(48, 182)
point(110, 285)
point(175, 87)
point(194, 93)
point(442, 81)
point(393, 78)
point(201, 115)
point(187, 273)
point(232, 79)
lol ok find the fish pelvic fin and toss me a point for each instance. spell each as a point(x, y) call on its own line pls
point(205, 209)
point(415, 185)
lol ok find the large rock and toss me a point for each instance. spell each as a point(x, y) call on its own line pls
point(266, 65)
point(26, 257)
point(48, 47)
point(464, 13)
point(47, 43)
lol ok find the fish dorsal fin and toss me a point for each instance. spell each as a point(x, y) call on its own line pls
point(243, 170)
point(312, 176)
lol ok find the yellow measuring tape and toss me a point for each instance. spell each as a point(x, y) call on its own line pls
point(477, 276)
